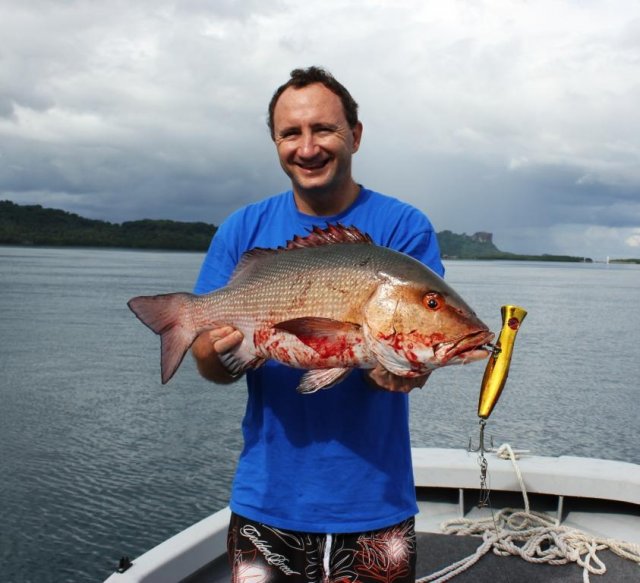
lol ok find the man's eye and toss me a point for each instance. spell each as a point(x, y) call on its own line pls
point(288, 134)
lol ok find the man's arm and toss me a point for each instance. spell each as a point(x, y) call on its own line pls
point(206, 350)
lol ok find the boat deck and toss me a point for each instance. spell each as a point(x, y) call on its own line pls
point(596, 497)
point(437, 551)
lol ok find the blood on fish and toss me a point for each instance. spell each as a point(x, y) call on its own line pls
point(306, 305)
point(412, 357)
point(261, 336)
point(324, 347)
point(400, 341)
point(406, 344)
point(282, 354)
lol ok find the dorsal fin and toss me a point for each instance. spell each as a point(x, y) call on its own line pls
point(334, 233)
point(317, 237)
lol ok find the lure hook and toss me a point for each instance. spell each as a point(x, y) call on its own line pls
point(481, 445)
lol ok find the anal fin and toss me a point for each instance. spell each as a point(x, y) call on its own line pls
point(321, 378)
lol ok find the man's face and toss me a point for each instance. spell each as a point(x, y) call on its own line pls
point(314, 140)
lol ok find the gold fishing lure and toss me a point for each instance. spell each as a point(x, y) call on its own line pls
point(495, 375)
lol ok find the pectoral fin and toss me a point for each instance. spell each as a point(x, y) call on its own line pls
point(326, 336)
point(323, 378)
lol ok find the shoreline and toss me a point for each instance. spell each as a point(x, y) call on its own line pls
point(545, 258)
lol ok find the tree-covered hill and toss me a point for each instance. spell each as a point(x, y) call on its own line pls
point(480, 246)
point(35, 225)
point(476, 246)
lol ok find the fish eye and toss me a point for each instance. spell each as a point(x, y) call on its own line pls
point(432, 301)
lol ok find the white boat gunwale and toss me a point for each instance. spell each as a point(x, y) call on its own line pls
point(439, 468)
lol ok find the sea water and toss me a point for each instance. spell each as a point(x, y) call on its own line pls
point(99, 460)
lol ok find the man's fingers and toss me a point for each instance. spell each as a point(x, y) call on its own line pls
point(217, 340)
point(218, 333)
point(383, 379)
point(225, 341)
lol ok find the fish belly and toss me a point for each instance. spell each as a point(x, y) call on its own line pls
point(299, 286)
point(317, 352)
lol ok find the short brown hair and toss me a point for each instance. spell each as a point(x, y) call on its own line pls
point(303, 77)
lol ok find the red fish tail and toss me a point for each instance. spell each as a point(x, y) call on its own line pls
point(168, 315)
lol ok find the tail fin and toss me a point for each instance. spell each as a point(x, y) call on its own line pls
point(169, 316)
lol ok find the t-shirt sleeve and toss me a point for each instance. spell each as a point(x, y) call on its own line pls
point(424, 247)
point(219, 262)
point(416, 237)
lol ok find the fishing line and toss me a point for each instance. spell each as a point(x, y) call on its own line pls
point(488, 540)
point(484, 500)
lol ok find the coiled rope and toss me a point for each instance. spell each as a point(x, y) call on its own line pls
point(534, 536)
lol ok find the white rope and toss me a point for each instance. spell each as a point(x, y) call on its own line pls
point(534, 536)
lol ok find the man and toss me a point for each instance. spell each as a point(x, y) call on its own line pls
point(324, 486)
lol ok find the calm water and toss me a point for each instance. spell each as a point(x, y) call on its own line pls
point(98, 459)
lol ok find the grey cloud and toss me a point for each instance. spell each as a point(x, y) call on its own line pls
point(500, 121)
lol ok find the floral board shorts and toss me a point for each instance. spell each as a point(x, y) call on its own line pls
point(261, 554)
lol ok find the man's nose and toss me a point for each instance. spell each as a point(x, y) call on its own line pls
point(308, 147)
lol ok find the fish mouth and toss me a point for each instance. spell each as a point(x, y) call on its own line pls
point(474, 346)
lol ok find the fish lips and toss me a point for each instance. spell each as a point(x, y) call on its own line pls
point(465, 349)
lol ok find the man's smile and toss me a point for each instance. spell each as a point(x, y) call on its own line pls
point(312, 166)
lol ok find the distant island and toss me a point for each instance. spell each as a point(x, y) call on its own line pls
point(38, 226)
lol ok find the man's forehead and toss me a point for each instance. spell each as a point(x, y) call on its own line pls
point(302, 102)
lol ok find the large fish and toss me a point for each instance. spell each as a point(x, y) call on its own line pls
point(328, 302)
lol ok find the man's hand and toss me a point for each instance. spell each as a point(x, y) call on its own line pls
point(380, 378)
point(206, 350)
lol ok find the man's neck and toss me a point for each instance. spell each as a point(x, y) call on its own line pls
point(323, 204)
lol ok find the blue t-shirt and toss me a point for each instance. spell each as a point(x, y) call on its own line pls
point(338, 460)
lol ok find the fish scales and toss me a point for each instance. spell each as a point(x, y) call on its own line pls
point(303, 282)
point(323, 304)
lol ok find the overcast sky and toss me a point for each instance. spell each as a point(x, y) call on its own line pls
point(515, 117)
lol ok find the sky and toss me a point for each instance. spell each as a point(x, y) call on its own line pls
point(520, 118)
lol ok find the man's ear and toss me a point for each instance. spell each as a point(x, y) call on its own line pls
point(356, 132)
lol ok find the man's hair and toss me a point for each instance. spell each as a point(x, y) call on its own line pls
point(303, 77)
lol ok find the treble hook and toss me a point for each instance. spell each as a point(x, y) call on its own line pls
point(481, 446)
point(483, 499)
